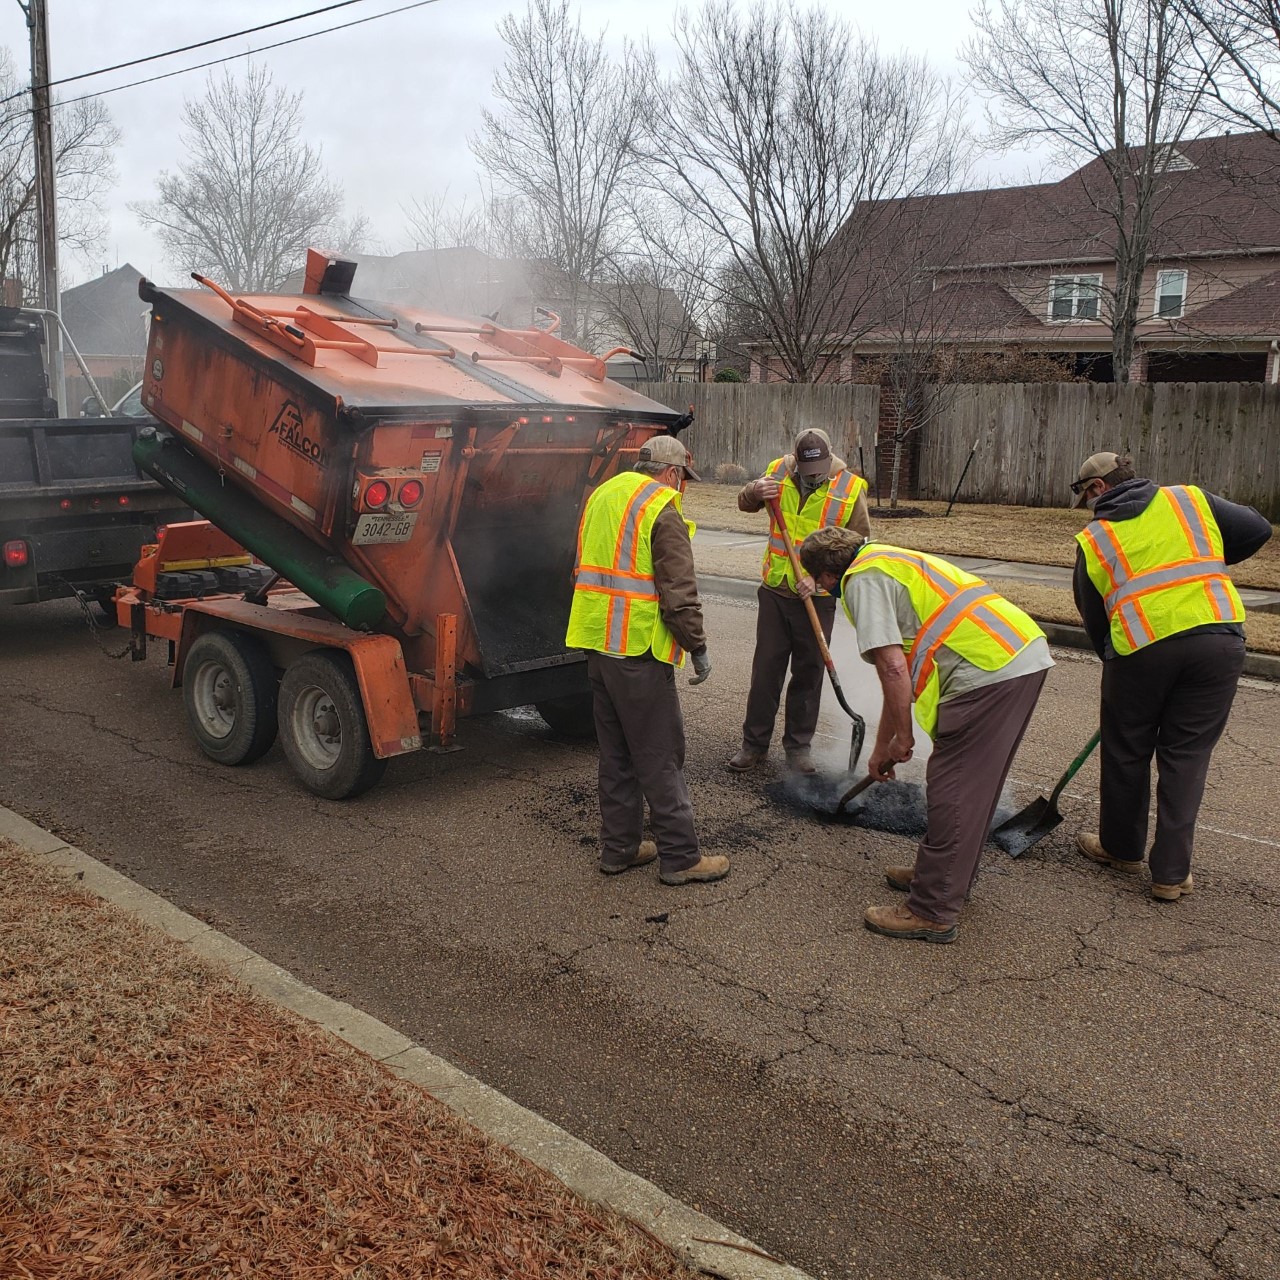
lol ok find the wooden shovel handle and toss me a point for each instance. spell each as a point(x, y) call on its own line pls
point(798, 569)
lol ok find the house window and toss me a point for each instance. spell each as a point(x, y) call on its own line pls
point(1074, 297)
point(1171, 293)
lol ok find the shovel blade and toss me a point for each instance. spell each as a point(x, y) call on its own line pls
point(1027, 827)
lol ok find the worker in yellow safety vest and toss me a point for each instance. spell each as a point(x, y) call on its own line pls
point(636, 612)
point(973, 665)
point(1152, 587)
point(814, 490)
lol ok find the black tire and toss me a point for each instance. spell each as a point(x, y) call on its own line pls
point(573, 715)
point(229, 690)
point(323, 729)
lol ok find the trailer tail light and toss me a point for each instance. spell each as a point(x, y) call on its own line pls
point(96, 503)
point(65, 504)
point(123, 499)
point(411, 493)
point(16, 554)
point(377, 495)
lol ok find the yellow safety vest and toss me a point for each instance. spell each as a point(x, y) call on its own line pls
point(831, 503)
point(615, 602)
point(1160, 572)
point(955, 609)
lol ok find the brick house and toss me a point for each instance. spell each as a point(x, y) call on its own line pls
point(1031, 269)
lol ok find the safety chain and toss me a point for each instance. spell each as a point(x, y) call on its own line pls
point(94, 628)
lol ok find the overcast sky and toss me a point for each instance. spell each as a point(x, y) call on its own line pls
point(391, 102)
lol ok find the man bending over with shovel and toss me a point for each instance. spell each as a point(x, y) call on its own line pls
point(974, 665)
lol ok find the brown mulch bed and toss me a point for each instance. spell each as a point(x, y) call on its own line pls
point(157, 1122)
point(1028, 535)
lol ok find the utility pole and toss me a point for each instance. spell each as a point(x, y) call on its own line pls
point(46, 195)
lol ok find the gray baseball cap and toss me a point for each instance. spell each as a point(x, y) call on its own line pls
point(668, 450)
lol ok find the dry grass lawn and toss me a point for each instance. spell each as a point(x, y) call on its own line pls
point(1032, 535)
point(157, 1122)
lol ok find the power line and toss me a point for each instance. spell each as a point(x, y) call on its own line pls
point(248, 53)
point(187, 48)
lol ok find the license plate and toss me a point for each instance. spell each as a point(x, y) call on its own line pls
point(389, 528)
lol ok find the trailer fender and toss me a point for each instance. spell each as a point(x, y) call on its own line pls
point(378, 660)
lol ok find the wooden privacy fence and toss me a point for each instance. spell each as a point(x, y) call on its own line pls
point(752, 424)
point(1222, 436)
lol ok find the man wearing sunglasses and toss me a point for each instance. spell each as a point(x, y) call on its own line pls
point(1152, 587)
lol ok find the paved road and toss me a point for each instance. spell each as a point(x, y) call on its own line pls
point(1083, 1086)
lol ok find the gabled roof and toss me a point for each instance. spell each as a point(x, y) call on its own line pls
point(105, 316)
point(1250, 311)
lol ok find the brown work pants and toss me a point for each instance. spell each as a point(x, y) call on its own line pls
point(976, 739)
point(640, 732)
point(1170, 699)
point(785, 634)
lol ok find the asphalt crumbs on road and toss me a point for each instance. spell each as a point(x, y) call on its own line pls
point(1082, 1086)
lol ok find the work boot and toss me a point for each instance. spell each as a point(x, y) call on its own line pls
point(899, 877)
point(1171, 892)
point(711, 866)
point(897, 922)
point(642, 856)
point(1089, 844)
point(744, 761)
point(801, 761)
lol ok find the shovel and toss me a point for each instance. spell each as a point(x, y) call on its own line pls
point(859, 724)
point(854, 791)
point(1032, 824)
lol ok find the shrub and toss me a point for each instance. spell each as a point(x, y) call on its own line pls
point(727, 375)
point(730, 473)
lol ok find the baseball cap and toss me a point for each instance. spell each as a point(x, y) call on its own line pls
point(669, 451)
point(1097, 466)
point(813, 453)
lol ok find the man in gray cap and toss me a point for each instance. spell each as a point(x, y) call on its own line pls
point(1152, 587)
point(815, 490)
point(636, 612)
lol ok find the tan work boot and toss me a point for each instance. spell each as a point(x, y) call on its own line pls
point(642, 856)
point(744, 761)
point(897, 922)
point(801, 762)
point(899, 878)
point(1171, 892)
point(711, 866)
point(1089, 844)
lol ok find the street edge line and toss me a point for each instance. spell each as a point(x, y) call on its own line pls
point(583, 1169)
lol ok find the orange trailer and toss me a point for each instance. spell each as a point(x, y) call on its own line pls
point(392, 499)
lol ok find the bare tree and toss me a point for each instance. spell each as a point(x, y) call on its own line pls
point(1116, 82)
point(1237, 43)
point(252, 196)
point(786, 133)
point(84, 139)
point(561, 146)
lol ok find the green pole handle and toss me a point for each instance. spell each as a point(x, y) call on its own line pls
point(1074, 767)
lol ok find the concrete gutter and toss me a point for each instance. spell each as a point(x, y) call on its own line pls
point(698, 1240)
point(1264, 665)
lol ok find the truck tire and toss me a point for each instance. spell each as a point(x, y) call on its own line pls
point(571, 716)
point(323, 729)
point(229, 691)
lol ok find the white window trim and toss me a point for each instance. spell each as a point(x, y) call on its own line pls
point(1094, 278)
point(1161, 276)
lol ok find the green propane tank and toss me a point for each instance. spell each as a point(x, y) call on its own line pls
point(325, 578)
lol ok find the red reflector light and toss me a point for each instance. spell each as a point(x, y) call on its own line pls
point(524, 422)
point(570, 418)
point(378, 494)
point(546, 417)
point(96, 503)
point(15, 554)
point(65, 504)
point(411, 493)
point(123, 499)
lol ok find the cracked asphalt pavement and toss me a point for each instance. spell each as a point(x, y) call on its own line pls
point(1084, 1085)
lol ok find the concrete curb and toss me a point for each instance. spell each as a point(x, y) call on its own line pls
point(1265, 665)
point(699, 1240)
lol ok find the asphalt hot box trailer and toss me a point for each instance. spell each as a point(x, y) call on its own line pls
point(392, 499)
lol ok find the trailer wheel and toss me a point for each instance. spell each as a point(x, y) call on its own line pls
point(323, 728)
point(229, 691)
point(573, 716)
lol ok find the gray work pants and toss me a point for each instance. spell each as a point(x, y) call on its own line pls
point(640, 732)
point(785, 634)
point(977, 737)
point(1170, 699)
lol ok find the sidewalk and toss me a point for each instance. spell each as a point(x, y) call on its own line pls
point(178, 1105)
